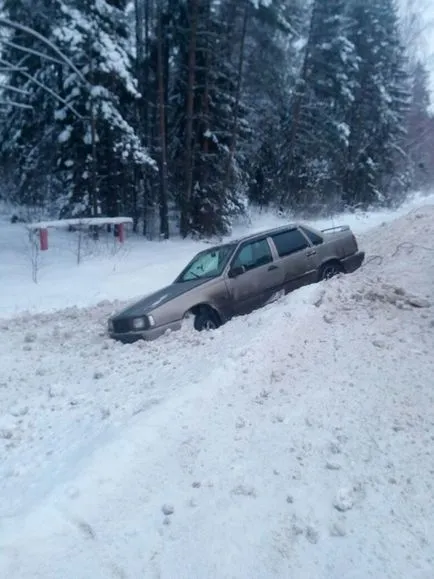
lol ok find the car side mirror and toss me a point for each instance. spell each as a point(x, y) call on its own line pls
point(236, 271)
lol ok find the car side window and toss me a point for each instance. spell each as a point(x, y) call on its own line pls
point(253, 255)
point(289, 242)
point(313, 237)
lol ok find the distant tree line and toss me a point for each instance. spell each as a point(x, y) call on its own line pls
point(195, 108)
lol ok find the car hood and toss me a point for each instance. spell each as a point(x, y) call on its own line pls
point(156, 299)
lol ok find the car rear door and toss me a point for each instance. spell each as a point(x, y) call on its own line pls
point(296, 258)
point(254, 276)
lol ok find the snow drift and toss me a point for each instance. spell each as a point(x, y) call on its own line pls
point(294, 442)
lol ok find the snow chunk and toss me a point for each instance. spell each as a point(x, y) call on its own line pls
point(344, 500)
point(167, 509)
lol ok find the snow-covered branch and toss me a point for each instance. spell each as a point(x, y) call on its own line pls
point(46, 88)
point(15, 104)
point(14, 89)
point(11, 68)
point(15, 25)
point(33, 52)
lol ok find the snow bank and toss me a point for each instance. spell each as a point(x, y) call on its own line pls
point(108, 271)
point(294, 442)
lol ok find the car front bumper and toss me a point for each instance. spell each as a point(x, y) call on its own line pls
point(149, 334)
point(353, 262)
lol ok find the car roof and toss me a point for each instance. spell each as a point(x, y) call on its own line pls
point(266, 232)
point(260, 234)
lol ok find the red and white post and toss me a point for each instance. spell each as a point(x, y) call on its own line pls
point(121, 232)
point(43, 239)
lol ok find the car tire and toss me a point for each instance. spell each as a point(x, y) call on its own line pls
point(205, 320)
point(330, 269)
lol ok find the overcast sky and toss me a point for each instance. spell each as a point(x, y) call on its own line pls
point(422, 29)
point(418, 29)
point(429, 18)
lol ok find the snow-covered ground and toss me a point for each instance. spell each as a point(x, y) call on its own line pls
point(109, 271)
point(296, 442)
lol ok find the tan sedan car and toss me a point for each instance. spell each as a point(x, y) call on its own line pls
point(239, 276)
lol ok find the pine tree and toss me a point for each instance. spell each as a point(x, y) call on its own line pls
point(376, 118)
point(294, 104)
point(272, 66)
point(208, 120)
point(100, 148)
point(317, 134)
point(27, 149)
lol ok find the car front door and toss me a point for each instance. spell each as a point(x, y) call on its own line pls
point(296, 258)
point(253, 276)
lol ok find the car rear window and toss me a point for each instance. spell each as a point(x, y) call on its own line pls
point(314, 237)
point(289, 242)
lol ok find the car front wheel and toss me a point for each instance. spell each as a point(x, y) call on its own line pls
point(331, 269)
point(204, 321)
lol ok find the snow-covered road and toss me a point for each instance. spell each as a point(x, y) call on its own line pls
point(296, 442)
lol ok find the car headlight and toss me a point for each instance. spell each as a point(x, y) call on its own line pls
point(139, 323)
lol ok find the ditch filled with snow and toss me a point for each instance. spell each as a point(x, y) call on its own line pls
point(296, 442)
point(112, 271)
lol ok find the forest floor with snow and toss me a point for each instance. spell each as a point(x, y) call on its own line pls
point(296, 442)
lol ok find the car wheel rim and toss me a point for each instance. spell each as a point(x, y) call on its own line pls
point(331, 271)
point(208, 325)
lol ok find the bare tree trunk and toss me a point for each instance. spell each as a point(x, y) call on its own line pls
point(146, 71)
point(164, 213)
point(206, 94)
point(186, 197)
point(94, 165)
point(138, 182)
point(230, 32)
point(137, 187)
point(146, 113)
point(142, 22)
point(237, 97)
point(140, 45)
point(93, 171)
point(297, 104)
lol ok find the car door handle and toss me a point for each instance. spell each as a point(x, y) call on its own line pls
point(311, 252)
point(272, 267)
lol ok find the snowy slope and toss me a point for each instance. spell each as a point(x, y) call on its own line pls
point(108, 271)
point(296, 442)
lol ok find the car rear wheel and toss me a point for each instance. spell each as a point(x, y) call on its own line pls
point(330, 269)
point(205, 320)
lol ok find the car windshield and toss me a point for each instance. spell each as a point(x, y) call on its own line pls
point(207, 264)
